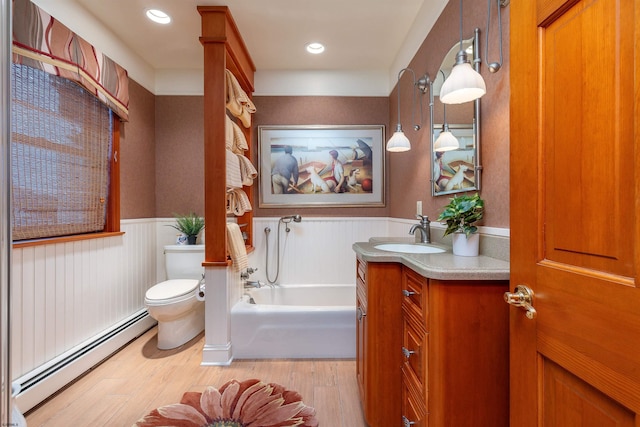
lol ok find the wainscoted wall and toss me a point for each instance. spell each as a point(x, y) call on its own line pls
point(65, 295)
point(318, 249)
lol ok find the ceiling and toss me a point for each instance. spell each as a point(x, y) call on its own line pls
point(358, 34)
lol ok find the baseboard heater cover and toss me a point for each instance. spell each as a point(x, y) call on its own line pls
point(41, 383)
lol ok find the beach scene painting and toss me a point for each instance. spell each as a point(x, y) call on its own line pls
point(321, 165)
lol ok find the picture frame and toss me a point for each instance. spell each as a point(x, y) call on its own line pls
point(446, 176)
point(321, 155)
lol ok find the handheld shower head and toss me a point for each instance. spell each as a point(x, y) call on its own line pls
point(288, 219)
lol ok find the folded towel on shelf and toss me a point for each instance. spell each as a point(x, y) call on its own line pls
point(239, 140)
point(238, 102)
point(237, 202)
point(247, 171)
point(229, 138)
point(237, 249)
point(234, 174)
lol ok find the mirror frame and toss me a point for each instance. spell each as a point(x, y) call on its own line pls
point(462, 130)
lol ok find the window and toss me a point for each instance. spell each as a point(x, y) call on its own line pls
point(61, 152)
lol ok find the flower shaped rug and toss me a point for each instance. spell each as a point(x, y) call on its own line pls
point(250, 403)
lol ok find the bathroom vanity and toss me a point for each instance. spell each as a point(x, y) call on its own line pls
point(432, 338)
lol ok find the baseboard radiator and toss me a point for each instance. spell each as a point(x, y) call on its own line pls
point(39, 384)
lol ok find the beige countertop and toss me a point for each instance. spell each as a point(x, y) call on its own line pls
point(442, 266)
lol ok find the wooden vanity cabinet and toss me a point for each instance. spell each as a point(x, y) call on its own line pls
point(455, 370)
point(378, 355)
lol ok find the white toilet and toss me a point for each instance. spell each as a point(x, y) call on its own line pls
point(173, 303)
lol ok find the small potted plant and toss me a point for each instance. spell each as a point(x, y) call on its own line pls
point(190, 225)
point(461, 214)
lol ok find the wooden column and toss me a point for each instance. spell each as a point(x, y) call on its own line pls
point(223, 49)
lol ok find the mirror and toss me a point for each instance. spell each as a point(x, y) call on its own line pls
point(456, 170)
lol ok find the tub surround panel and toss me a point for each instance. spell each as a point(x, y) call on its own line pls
point(316, 250)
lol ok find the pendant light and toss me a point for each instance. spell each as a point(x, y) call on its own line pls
point(464, 84)
point(399, 142)
point(446, 141)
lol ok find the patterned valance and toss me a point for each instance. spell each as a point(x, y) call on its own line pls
point(41, 42)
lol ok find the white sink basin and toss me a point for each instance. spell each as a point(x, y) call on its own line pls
point(409, 248)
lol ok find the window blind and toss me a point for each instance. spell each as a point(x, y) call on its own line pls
point(61, 140)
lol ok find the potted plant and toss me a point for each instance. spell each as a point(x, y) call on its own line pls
point(190, 225)
point(461, 214)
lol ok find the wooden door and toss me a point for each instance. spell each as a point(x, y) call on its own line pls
point(575, 195)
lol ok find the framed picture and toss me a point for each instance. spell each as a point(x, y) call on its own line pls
point(317, 166)
point(455, 171)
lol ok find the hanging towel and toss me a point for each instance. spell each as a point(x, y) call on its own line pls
point(238, 103)
point(237, 202)
point(234, 175)
point(229, 137)
point(247, 171)
point(237, 249)
point(239, 140)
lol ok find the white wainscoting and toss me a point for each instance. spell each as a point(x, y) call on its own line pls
point(67, 294)
point(316, 250)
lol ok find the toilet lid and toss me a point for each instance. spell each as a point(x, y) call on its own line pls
point(171, 289)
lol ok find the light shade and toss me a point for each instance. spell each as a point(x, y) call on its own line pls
point(464, 84)
point(398, 142)
point(446, 142)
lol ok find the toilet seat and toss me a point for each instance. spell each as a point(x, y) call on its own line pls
point(171, 291)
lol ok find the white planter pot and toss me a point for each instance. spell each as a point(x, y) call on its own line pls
point(464, 246)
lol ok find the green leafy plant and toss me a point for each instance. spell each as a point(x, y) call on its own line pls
point(462, 213)
point(190, 224)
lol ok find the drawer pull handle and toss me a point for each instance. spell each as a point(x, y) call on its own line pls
point(407, 353)
point(361, 314)
point(406, 422)
point(407, 293)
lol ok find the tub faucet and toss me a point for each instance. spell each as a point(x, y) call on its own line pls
point(424, 227)
point(248, 272)
point(248, 284)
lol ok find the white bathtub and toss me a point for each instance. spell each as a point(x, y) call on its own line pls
point(295, 321)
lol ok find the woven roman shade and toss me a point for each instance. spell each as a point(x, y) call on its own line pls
point(60, 153)
point(43, 42)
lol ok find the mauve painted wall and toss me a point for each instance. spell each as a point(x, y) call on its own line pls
point(318, 110)
point(179, 155)
point(137, 156)
point(410, 172)
point(176, 125)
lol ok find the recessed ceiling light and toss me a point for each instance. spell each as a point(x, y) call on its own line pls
point(158, 16)
point(315, 48)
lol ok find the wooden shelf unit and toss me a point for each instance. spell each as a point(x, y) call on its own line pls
point(224, 49)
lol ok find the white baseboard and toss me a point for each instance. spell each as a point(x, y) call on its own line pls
point(38, 386)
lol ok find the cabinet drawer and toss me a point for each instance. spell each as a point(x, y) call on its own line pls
point(415, 343)
point(362, 270)
point(415, 296)
point(414, 408)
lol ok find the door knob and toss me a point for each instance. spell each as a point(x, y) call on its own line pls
point(522, 297)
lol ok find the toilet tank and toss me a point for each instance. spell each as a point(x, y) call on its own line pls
point(184, 261)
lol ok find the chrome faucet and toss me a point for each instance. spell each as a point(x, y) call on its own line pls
point(424, 227)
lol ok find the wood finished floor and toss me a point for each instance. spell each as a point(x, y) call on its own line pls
point(140, 378)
